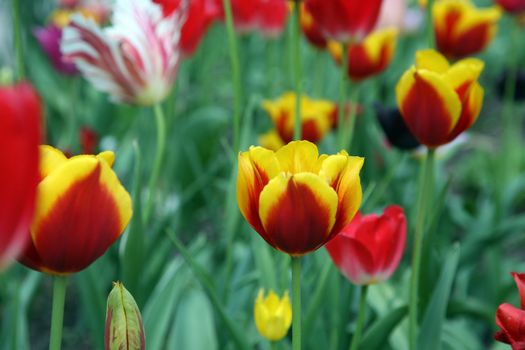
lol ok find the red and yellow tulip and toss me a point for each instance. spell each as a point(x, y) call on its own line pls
point(81, 210)
point(439, 101)
point(294, 198)
point(369, 57)
point(317, 117)
point(20, 120)
point(461, 29)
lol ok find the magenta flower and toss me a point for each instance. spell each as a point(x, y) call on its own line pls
point(135, 59)
point(49, 39)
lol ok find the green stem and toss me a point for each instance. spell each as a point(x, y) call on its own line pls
point(360, 319)
point(352, 116)
point(236, 75)
point(157, 165)
point(342, 97)
point(424, 198)
point(296, 303)
point(296, 54)
point(20, 69)
point(57, 315)
point(430, 25)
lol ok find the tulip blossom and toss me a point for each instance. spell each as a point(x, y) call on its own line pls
point(512, 6)
point(344, 20)
point(294, 198)
point(461, 29)
point(136, 59)
point(267, 16)
point(369, 248)
point(124, 327)
point(81, 210)
point(273, 315)
point(199, 16)
point(19, 138)
point(369, 57)
point(439, 101)
point(317, 117)
point(511, 320)
point(395, 129)
point(311, 30)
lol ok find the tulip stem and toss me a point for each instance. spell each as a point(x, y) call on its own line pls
point(296, 56)
point(159, 156)
point(342, 98)
point(20, 70)
point(424, 197)
point(360, 319)
point(296, 303)
point(430, 25)
point(236, 75)
point(352, 116)
point(57, 315)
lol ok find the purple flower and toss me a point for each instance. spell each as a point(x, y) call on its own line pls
point(49, 39)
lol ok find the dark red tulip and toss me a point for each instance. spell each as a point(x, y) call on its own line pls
point(511, 320)
point(369, 249)
point(20, 116)
point(345, 20)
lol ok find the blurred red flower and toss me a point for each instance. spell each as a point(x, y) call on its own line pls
point(369, 248)
point(344, 20)
point(19, 140)
point(512, 6)
point(511, 320)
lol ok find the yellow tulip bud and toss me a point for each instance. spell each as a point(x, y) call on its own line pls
point(273, 316)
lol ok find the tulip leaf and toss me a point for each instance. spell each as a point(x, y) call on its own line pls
point(206, 281)
point(431, 327)
point(194, 325)
point(132, 243)
point(378, 333)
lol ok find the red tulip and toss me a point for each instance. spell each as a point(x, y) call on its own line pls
point(368, 250)
point(512, 6)
point(511, 320)
point(345, 20)
point(19, 139)
point(200, 14)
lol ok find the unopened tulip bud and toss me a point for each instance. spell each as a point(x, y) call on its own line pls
point(273, 315)
point(124, 328)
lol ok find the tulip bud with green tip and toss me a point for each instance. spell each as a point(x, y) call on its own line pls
point(124, 328)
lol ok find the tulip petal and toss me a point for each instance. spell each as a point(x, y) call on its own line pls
point(299, 210)
point(511, 320)
point(298, 156)
point(430, 107)
point(271, 140)
point(83, 206)
point(342, 173)
point(519, 278)
point(463, 74)
point(352, 258)
point(50, 159)
point(431, 60)
point(256, 168)
point(470, 111)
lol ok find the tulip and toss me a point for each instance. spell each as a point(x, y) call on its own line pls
point(294, 198)
point(124, 328)
point(395, 128)
point(273, 315)
point(267, 16)
point(317, 118)
point(369, 249)
point(199, 16)
point(461, 29)
point(136, 59)
point(81, 210)
point(369, 57)
point(19, 139)
point(439, 101)
point(344, 20)
point(512, 6)
point(311, 30)
point(511, 320)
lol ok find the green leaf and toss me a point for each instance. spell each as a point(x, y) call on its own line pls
point(132, 243)
point(194, 326)
point(378, 333)
point(430, 331)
